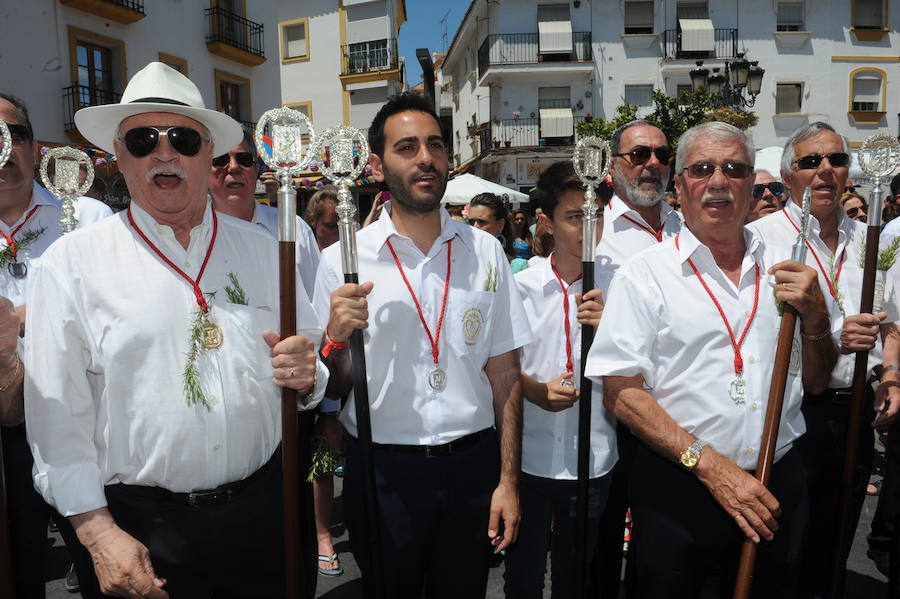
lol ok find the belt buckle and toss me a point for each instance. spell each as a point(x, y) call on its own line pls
point(207, 498)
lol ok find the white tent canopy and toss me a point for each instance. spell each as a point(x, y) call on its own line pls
point(461, 189)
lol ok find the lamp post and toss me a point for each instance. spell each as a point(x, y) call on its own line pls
point(737, 87)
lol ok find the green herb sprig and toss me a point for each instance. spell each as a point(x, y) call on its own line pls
point(324, 461)
point(24, 240)
point(235, 292)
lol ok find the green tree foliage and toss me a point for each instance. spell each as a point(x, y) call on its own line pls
point(673, 115)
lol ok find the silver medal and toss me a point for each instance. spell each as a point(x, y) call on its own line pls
point(17, 269)
point(568, 383)
point(437, 379)
point(738, 390)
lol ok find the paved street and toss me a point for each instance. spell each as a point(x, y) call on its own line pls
point(863, 581)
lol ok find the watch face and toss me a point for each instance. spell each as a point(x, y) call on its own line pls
point(690, 458)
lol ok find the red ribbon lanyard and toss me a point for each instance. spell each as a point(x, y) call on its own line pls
point(736, 344)
point(566, 326)
point(195, 283)
point(435, 340)
point(10, 239)
point(656, 234)
point(837, 274)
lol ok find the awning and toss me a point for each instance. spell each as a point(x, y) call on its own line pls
point(557, 122)
point(697, 35)
point(555, 37)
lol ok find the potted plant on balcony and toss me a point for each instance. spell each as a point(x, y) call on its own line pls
point(507, 143)
point(496, 144)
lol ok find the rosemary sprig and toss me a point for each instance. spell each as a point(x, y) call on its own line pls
point(236, 293)
point(886, 257)
point(323, 460)
point(491, 283)
point(193, 393)
point(24, 240)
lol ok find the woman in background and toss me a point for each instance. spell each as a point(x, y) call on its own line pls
point(487, 212)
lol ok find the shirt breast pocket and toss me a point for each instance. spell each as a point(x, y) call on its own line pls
point(242, 328)
point(468, 325)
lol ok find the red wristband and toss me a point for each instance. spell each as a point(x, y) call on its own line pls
point(332, 344)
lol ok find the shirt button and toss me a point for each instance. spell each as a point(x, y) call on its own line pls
point(750, 450)
point(216, 447)
point(188, 265)
point(752, 359)
point(212, 400)
point(747, 313)
point(754, 405)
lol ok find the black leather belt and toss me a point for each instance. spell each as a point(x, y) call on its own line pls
point(211, 497)
point(433, 451)
point(834, 395)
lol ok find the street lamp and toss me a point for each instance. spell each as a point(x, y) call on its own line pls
point(728, 89)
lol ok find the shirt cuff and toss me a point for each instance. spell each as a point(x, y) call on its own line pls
point(315, 398)
point(329, 406)
point(73, 489)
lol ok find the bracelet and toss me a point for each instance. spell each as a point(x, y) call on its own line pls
point(332, 345)
point(890, 367)
point(818, 337)
point(15, 374)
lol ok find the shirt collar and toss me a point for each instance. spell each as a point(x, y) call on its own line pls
point(618, 208)
point(159, 233)
point(844, 224)
point(42, 197)
point(689, 244)
point(450, 229)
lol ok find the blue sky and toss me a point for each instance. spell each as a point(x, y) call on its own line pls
point(423, 29)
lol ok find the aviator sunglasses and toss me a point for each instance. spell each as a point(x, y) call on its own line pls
point(641, 154)
point(140, 141)
point(245, 159)
point(835, 159)
point(775, 187)
point(732, 170)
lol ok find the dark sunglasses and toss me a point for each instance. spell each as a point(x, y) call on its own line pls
point(852, 212)
point(835, 159)
point(732, 170)
point(140, 141)
point(18, 134)
point(641, 154)
point(245, 159)
point(775, 187)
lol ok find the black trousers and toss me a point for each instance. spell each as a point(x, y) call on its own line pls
point(548, 516)
point(29, 516)
point(434, 514)
point(884, 532)
point(822, 449)
point(229, 551)
point(682, 536)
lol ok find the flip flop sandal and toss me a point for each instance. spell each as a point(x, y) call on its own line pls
point(329, 559)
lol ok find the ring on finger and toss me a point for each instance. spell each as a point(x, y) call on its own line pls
point(738, 516)
point(291, 375)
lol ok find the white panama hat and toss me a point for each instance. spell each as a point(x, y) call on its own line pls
point(157, 88)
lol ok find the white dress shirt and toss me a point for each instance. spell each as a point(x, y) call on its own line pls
point(667, 329)
point(484, 318)
point(104, 396)
point(625, 233)
point(776, 229)
point(550, 439)
point(307, 248)
point(87, 211)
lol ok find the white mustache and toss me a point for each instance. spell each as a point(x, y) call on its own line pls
point(716, 197)
point(166, 169)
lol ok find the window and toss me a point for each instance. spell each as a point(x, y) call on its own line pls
point(233, 96)
point(554, 97)
point(640, 96)
point(555, 110)
point(638, 16)
point(364, 57)
point(294, 40)
point(866, 91)
point(789, 16)
point(554, 29)
point(304, 107)
point(97, 67)
point(179, 64)
point(788, 98)
point(869, 14)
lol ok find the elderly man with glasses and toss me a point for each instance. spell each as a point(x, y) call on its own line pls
point(685, 364)
point(768, 196)
point(816, 156)
point(156, 423)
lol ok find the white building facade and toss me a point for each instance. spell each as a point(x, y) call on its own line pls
point(525, 72)
point(62, 55)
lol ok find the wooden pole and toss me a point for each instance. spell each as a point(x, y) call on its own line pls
point(6, 571)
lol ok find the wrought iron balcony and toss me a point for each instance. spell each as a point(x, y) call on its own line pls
point(523, 48)
point(120, 11)
point(369, 57)
point(234, 37)
point(76, 97)
point(522, 133)
point(724, 45)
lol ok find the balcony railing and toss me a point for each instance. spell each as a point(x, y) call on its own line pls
point(725, 45)
point(234, 30)
point(135, 5)
point(76, 97)
point(369, 57)
point(120, 11)
point(518, 48)
point(522, 133)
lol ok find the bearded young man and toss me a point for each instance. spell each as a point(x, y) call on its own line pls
point(443, 321)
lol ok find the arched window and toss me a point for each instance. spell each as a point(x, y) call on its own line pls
point(867, 90)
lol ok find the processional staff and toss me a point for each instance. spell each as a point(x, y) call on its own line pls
point(772, 422)
point(591, 161)
point(348, 152)
point(287, 159)
point(6, 589)
point(878, 157)
point(67, 184)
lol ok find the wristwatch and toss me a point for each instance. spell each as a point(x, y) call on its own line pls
point(691, 455)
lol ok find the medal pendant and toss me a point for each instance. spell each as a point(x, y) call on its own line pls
point(738, 390)
point(437, 379)
point(568, 383)
point(17, 269)
point(212, 335)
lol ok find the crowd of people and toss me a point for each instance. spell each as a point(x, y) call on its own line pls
point(141, 375)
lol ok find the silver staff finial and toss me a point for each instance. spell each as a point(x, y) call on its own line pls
point(66, 178)
point(878, 157)
point(6, 138)
point(591, 161)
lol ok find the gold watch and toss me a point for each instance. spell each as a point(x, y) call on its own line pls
point(691, 455)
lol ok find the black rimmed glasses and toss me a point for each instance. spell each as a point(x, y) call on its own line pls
point(835, 159)
point(245, 159)
point(141, 141)
point(731, 169)
point(641, 154)
point(775, 187)
point(18, 134)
